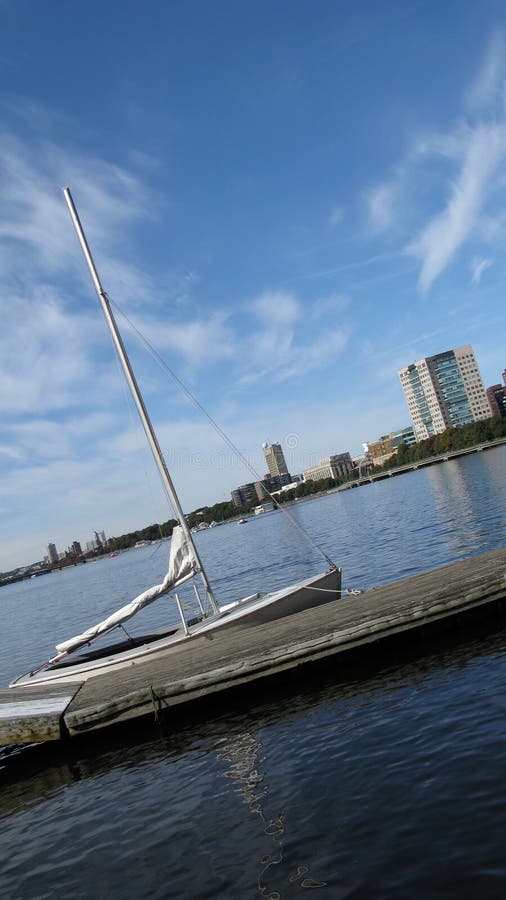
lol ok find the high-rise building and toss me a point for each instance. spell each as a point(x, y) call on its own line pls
point(52, 553)
point(497, 400)
point(444, 391)
point(275, 459)
point(245, 495)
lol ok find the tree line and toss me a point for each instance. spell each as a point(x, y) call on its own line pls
point(466, 436)
point(452, 439)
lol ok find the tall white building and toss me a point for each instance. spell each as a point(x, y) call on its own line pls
point(444, 391)
point(275, 459)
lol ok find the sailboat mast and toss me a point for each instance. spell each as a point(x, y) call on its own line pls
point(136, 394)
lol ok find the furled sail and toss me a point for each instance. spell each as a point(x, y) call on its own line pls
point(181, 567)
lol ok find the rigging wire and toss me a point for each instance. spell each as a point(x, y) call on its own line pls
point(134, 421)
point(196, 403)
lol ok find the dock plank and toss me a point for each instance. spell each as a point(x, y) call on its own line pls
point(34, 714)
point(206, 665)
point(215, 662)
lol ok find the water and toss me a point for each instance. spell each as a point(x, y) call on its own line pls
point(386, 784)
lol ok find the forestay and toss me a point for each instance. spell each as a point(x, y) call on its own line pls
point(181, 567)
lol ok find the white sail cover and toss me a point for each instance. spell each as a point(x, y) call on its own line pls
point(181, 567)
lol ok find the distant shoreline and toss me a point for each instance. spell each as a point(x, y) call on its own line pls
point(349, 485)
point(400, 470)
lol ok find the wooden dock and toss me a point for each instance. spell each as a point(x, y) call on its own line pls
point(212, 664)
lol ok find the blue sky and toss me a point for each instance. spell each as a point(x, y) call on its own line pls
point(291, 200)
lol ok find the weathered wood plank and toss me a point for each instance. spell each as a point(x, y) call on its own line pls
point(31, 715)
point(212, 663)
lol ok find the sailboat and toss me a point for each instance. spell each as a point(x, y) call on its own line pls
point(75, 661)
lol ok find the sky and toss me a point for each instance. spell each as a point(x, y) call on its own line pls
point(289, 199)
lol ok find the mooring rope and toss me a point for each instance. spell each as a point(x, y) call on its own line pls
point(350, 591)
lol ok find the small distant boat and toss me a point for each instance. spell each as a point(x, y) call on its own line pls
point(184, 564)
point(242, 521)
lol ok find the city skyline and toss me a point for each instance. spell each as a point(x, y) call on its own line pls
point(338, 465)
point(286, 238)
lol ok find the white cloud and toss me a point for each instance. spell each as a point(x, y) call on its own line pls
point(439, 241)
point(478, 267)
point(48, 344)
point(333, 303)
point(198, 341)
point(34, 220)
point(305, 358)
point(10, 452)
point(283, 346)
point(450, 145)
point(44, 354)
point(382, 205)
point(464, 162)
point(46, 438)
point(277, 307)
point(488, 88)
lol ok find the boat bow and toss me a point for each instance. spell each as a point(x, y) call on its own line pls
point(181, 567)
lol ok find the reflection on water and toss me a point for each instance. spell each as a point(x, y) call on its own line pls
point(243, 754)
point(469, 502)
point(387, 784)
point(339, 784)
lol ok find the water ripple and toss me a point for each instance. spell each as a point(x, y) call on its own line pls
point(387, 785)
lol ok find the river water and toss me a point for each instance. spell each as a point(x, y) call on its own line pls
point(385, 783)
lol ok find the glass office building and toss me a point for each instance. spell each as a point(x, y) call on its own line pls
point(444, 391)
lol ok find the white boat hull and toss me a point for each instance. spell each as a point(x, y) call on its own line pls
point(251, 611)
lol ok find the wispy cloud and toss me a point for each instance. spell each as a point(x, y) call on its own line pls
point(381, 204)
point(478, 267)
point(336, 216)
point(330, 305)
point(282, 345)
point(44, 354)
point(439, 241)
point(279, 308)
point(487, 90)
point(195, 341)
point(33, 217)
point(48, 343)
point(310, 357)
point(462, 164)
point(377, 259)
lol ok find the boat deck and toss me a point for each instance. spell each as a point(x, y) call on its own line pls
point(215, 662)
